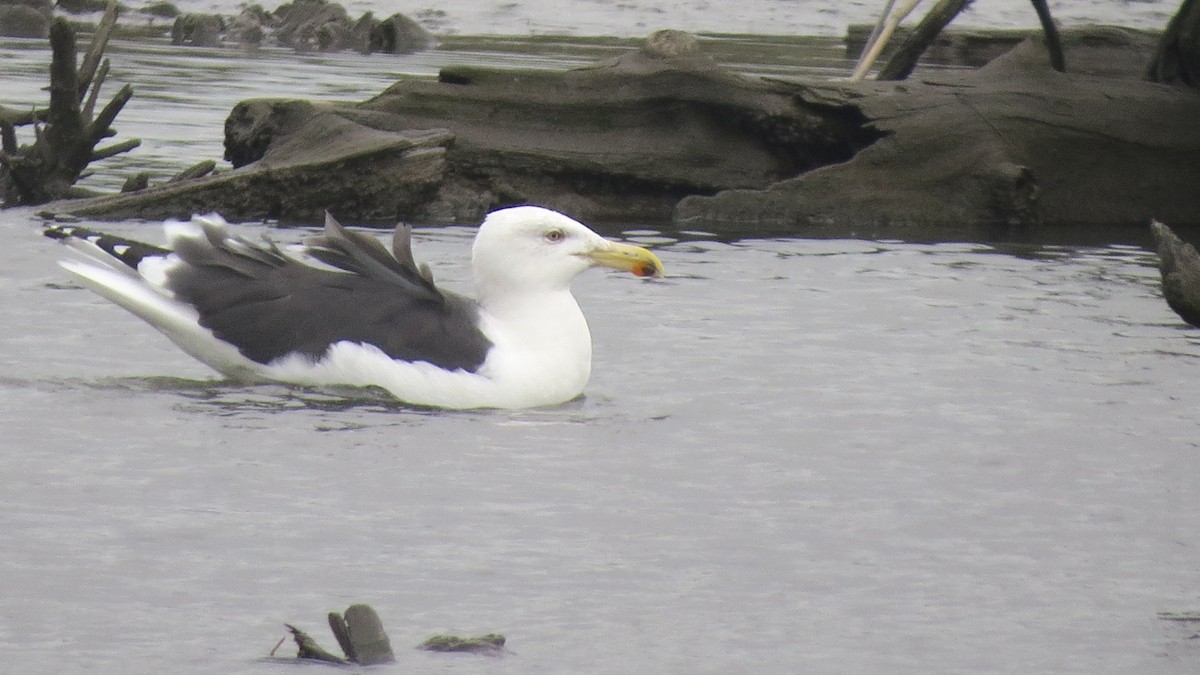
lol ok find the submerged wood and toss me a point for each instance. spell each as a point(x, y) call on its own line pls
point(359, 633)
point(663, 133)
point(491, 644)
point(1179, 265)
point(308, 649)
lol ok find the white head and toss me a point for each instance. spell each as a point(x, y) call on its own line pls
point(529, 249)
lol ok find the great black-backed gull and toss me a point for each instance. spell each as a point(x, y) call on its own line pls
point(346, 311)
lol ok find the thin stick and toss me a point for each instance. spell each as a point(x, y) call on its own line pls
point(99, 43)
point(885, 36)
point(1053, 43)
point(115, 149)
point(904, 60)
point(105, 119)
point(90, 106)
point(887, 10)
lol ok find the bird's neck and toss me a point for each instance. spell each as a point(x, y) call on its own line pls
point(543, 336)
point(539, 317)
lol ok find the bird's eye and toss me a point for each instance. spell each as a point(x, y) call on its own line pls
point(555, 236)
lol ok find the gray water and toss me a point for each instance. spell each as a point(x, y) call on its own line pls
point(794, 456)
point(637, 18)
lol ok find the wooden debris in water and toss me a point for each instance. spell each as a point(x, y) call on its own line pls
point(1180, 616)
point(67, 134)
point(1179, 265)
point(309, 649)
point(491, 643)
point(359, 633)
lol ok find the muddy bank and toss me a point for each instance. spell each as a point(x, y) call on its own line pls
point(664, 134)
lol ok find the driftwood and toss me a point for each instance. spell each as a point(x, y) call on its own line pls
point(998, 152)
point(625, 138)
point(308, 649)
point(359, 633)
point(1179, 265)
point(325, 160)
point(1186, 617)
point(490, 644)
point(663, 133)
point(67, 134)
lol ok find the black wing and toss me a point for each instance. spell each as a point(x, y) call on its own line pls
point(269, 305)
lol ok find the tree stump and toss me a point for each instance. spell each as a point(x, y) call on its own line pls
point(65, 135)
point(359, 633)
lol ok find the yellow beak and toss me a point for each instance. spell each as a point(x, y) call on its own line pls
point(636, 259)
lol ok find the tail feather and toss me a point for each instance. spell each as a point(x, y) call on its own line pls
point(111, 250)
point(174, 319)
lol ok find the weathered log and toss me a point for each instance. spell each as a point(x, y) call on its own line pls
point(309, 649)
point(663, 132)
point(341, 633)
point(490, 644)
point(998, 152)
point(359, 633)
point(1179, 265)
point(364, 639)
point(368, 174)
point(623, 139)
point(62, 148)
